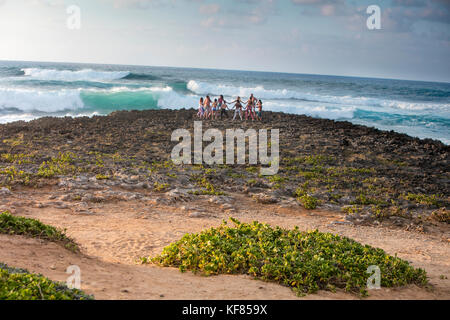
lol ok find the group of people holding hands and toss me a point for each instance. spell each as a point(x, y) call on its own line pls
point(209, 109)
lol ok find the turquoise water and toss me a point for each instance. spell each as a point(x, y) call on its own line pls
point(31, 89)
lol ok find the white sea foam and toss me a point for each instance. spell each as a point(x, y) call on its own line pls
point(260, 92)
point(69, 75)
point(39, 100)
point(29, 100)
point(17, 117)
point(321, 111)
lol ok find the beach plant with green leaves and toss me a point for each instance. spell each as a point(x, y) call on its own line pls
point(63, 164)
point(15, 225)
point(305, 261)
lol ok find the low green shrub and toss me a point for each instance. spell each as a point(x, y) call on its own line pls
point(15, 225)
point(19, 284)
point(304, 261)
point(307, 201)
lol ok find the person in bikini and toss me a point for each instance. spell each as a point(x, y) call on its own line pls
point(249, 110)
point(222, 104)
point(237, 108)
point(259, 112)
point(253, 101)
point(214, 113)
point(207, 106)
point(201, 109)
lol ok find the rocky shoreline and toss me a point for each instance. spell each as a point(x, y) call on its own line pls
point(369, 176)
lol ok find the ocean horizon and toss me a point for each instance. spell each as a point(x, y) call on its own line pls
point(29, 90)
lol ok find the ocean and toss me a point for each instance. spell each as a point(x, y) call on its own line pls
point(29, 90)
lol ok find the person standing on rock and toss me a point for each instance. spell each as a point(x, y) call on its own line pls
point(223, 107)
point(237, 108)
point(201, 109)
point(259, 112)
point(249, 110)
point(207, 106)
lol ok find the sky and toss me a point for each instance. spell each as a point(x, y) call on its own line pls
point(297, 36)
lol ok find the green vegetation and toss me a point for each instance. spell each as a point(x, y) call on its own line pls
point(305, 261)
point(160, 187)
point(102, 177)
point(207, 188)
point(441, 215)
point(60, 165)
point(307, 201)
point(236, 175)
point(351, 209)
point(19, 158)
point(277, 179)
point(313, 160)
point(210, 171)
point(19, 284)
point(15, 225)
point(13, 175)
point(171, 175)
point(14, 142)
point(431, 200)
point(366, 200)
point(157, 166)
point(253, 170)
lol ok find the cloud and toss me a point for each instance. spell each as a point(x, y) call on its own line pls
point(138, 4)
point(405, 15)
point(307, 1)
point(50, 3)
point(414, 3)
point(250, 12)
point(212, 8)
point(325, 8)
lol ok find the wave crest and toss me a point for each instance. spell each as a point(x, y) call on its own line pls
point(69, 75)
point(28, 100)
point(260, 92)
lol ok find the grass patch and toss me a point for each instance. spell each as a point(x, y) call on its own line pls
point(161, 187)
point(63, 164)
point(430, 200)
point(366, 200)
point(13, 175)
point(207, 188)
point(14, 142)
point(307, 201)
point(16, 158)
point(304, 261)
point(102, 177)
point(441, 215)
point(14, 225)
point(19, 284)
